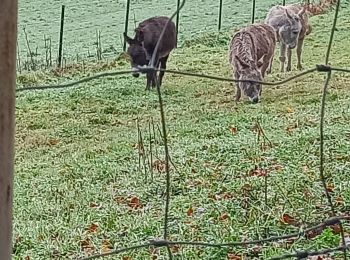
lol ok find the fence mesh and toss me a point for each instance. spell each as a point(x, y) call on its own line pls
point(165, 242)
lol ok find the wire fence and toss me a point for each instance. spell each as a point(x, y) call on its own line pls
point(165, 242)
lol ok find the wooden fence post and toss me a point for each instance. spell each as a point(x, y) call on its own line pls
point(8, 36)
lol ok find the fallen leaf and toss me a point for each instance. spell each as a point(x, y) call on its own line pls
point(288, 219)
point(125, 257)
point(224, 216)
point(159, 165)
point(257, 172)
point(313, 233)
point(290, 128)
point(53, 141)
point(175, 249)
point(227, 196)
point(94, 205)
point(120, 199)
point(93, 228)
point(320, 257)
point(256, 250)
point(307, 194)
point(233, 256)
point(305, 168)
point(134, 203)
point(290, 110)
point(339, 201)
point(233, 130)
point(86, 246)
point(106, 246)
point(190, 212)
point(330, 187)
point(336, 228)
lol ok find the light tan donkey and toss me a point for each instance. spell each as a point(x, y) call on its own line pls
point(251, 53)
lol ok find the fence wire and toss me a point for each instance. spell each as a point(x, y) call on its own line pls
point(334, 220)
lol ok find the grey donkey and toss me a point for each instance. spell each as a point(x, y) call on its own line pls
point(251, 53)
point(291, 24)
point(141, 48)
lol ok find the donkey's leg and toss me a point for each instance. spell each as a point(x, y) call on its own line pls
point(269, 68)
point(238, 89)
point(149, 80)
point(154, 73)
point(289, 60)
point(299, 50)
point(282, 56)
point(163, 62)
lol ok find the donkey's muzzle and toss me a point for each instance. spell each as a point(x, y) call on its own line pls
point(135, 72)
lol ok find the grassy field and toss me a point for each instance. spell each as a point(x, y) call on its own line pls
point(83, 18)
point(79, 189)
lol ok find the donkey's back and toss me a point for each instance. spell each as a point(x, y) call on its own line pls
point(150, 30)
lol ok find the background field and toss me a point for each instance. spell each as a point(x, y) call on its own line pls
point(79, 189)
point(41, 19)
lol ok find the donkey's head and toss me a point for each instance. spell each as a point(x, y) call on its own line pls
point(136, 52)
point(251, 89)
point(290, 30)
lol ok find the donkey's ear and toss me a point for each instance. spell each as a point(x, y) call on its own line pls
point(139, 35)
point(128, 39)
point(301, 12)
point(288, 13)
point(242, 64)
point(261, 62)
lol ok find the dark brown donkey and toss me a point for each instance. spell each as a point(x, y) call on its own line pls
point(141, 48)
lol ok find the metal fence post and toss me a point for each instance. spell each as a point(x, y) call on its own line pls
point(220, 15)
point(177, 20)
point(61, 38)
point(126, 21)
point(253, 12)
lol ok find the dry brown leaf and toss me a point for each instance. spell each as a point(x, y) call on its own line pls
point(53, 142)
point(159, 165)
point(134, 203)
point(125, 257)
point(233, 130)
point(93, 228)
point(175, 249)
point(313, 233)
point(224, 216)
point(330, 187)
point(86, 246)
point(336, 229)
point(320, 257)
point(339, 201)
point(258, 172)
point(233, 256)
point(288, 219)
point(120, 199)
point(190, 212)
point(106, 246)
point(94, 205)
point(290, 110)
